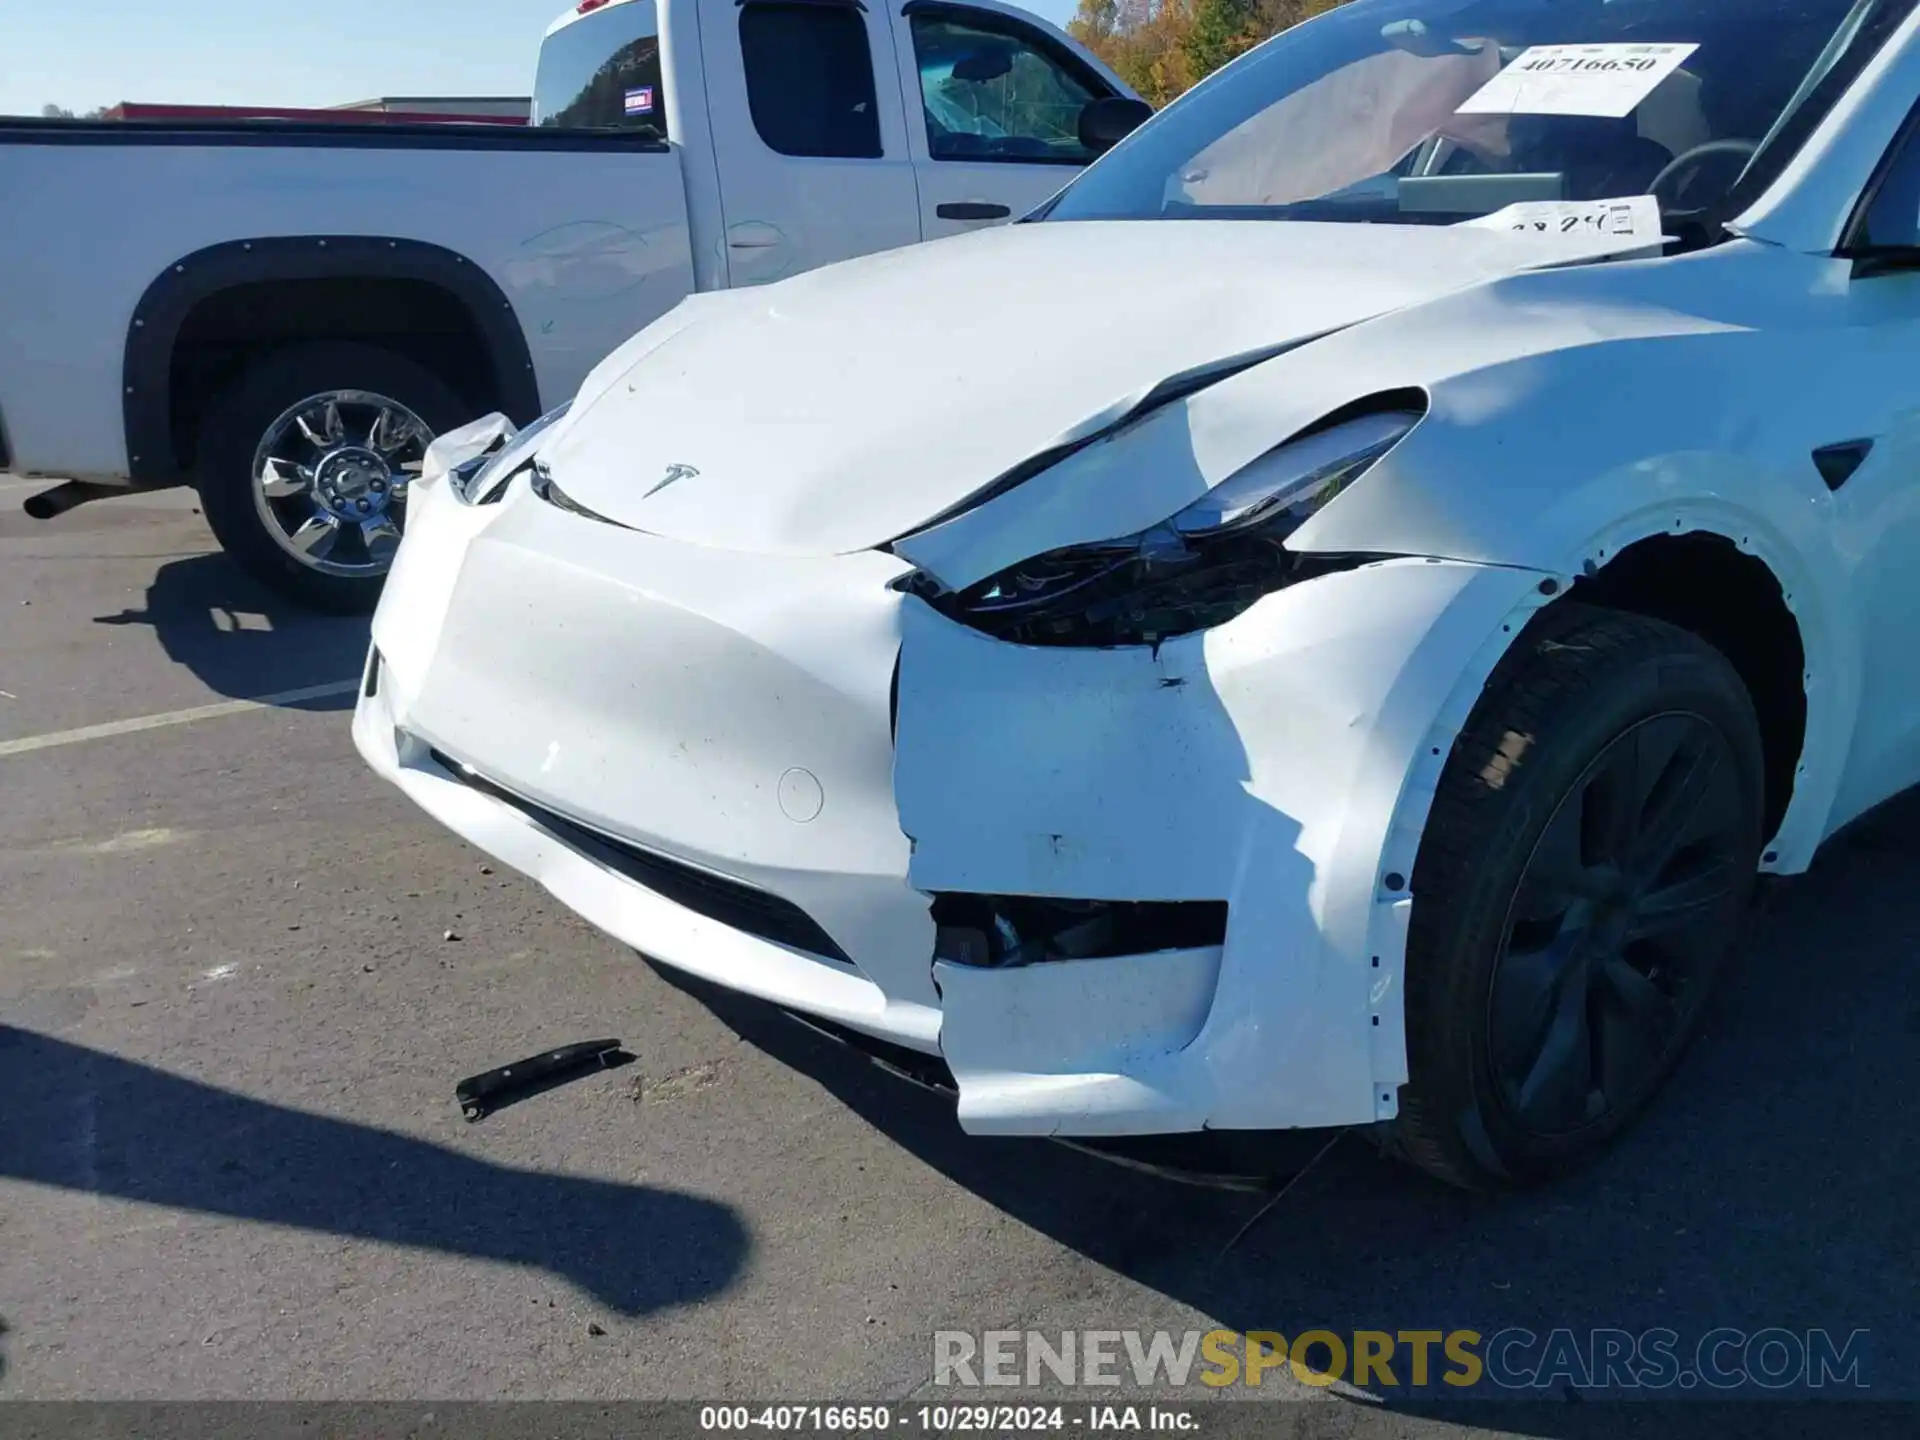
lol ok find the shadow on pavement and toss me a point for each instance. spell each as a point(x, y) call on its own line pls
point(80, 1119)
point(243, 640)
point(1773, 1187)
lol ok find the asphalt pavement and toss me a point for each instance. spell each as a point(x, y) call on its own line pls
point(239, 978)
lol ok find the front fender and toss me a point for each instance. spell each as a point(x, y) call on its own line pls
point(1570, 413)
point(1558, 463)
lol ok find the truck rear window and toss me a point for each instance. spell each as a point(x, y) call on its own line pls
point(602, 72)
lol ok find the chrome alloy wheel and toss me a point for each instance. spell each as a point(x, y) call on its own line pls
point(330, 479)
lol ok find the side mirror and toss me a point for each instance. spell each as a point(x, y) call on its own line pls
point(1104, 123)
point(984, 65)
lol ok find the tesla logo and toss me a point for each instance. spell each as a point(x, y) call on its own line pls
point(674, 472)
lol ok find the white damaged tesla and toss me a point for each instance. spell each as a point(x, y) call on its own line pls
point(1322, 625)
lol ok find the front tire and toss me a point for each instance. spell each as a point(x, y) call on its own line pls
point(304, 464)
point(1583, 877)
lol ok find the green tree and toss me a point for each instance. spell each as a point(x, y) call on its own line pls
point(1164, 47)
point(1219, 31)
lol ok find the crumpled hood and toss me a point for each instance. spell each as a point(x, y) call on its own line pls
point(844, 407)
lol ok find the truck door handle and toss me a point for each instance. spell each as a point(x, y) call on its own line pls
point(753, 235)
point(971, 210)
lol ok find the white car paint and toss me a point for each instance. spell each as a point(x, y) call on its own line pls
point(660, 677)
point(595, 243)
point(888, 435)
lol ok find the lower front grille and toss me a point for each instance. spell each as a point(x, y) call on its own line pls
point(731, 902)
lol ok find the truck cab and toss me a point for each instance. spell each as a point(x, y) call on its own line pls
point(833, 129)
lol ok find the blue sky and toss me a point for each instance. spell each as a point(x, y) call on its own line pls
point(86, 53)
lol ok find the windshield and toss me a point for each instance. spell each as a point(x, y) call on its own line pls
point(602, 72)
point(1441, 111)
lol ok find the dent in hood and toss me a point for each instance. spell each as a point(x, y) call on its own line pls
point(844, 407)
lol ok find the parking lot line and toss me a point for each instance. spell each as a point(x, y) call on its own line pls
point(173, 717)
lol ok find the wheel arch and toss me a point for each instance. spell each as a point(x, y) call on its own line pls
point(200, 319)
point(1706, 584)
point(1609, 569)
point(1729, 577)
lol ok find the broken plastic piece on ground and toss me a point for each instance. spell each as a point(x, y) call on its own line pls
point(480, 1095)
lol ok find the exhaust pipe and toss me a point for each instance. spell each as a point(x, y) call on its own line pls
point(68, 496)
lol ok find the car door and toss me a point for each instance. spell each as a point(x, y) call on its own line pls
point(809, 136)
point(993, 109)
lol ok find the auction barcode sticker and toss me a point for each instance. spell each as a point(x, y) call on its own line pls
point(1606, 80)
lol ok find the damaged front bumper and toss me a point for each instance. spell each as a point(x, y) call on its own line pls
point(787, 777)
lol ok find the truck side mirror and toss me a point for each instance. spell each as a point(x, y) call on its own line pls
point(1105, 122)
point(983, 65)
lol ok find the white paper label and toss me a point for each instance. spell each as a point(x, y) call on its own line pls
point(1605, 80)
point(1602, 227)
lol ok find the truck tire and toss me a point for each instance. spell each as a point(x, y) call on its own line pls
point(304, 463)
point(1583, 879)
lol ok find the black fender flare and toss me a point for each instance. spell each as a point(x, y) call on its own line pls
point(147, 399)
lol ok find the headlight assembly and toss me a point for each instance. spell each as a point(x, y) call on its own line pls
point(1192, 571)
point(483, 480)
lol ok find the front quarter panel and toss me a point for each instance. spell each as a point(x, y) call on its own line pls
point(1573, 411)
point(1558, 459)
point(1286, 761)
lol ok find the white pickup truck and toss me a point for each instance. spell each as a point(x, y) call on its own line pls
point(284, 314)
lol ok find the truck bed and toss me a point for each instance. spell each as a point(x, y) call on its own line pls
point(584, 234)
